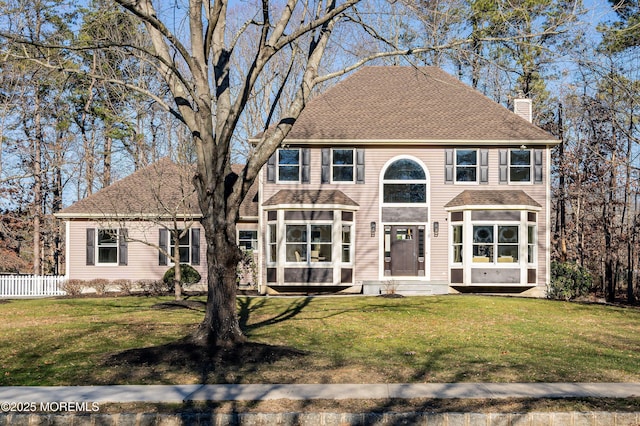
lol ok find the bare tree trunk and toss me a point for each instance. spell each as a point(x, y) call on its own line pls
point(220, 326)
point(106, 171)
point(563, 198)
point(37, 185)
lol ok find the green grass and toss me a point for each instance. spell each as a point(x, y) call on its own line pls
point(345, 339)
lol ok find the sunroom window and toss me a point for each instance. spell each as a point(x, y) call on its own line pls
point(457, 238)
point(308, 243)
point(495, 243)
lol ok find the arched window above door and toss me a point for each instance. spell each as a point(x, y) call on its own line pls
point(404, 182)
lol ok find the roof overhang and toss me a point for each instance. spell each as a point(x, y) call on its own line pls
point(416, 142)
point(479, 199)
point(125, 216)
point(310, 200)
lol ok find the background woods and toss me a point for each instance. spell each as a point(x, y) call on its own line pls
point(69, 126)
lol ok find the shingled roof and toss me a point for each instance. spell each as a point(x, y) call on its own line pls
point(477, 197)
point(308, 197)
point(421, 105)
point(163, 189)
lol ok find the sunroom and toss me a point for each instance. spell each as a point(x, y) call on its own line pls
point(493, 240)
point(310, 238)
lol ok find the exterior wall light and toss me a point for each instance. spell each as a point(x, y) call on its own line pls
point(373, 229)
point(436, 228)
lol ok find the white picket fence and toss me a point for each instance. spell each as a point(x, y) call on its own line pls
point(31, 285)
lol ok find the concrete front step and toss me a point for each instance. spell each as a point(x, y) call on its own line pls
point(405, 287)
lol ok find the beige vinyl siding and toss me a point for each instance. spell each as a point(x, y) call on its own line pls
point(142, 261)
point(366, 248)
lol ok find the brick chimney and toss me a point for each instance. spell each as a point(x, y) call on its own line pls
point(522, 107)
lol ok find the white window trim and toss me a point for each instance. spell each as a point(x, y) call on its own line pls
point(238, 231)
point(353, 165)
point(383, 181)
point(531, 168)
point(309, 243)
point(170, 245)
point(269, 243)
point(280, 243)
point(299, 180)
point(523, 243)
point(452, 262)
point(455, 167)
point(98, 245)
point(496, 244)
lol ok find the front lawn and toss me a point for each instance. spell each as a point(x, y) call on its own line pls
point(131, 340)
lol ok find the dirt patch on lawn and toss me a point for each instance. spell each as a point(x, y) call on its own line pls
point(186, 362)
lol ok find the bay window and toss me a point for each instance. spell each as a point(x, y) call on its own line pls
point(308, 243)
point(495, 243)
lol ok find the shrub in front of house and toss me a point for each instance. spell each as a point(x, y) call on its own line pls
point(153, 287)
point(188, 272)
point(123, 285)
point(99, 285)
point(74, 287)
point(569, 281)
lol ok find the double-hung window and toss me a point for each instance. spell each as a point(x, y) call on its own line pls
point(342, 164)
point(248, 239)
point(288, 165)
point(184, 247)
point(520, 165)
point(466, 165)
point(107, 245)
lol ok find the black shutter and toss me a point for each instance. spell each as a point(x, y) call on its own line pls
point(484, 166)
point(271, 168)
point(195, 246)
point(359, 165)
point(448, 166)
point(123, 249)
point(91, 246)
point(326, 165)
point(537, 165)
point(163, 242)
point(306, 165)
point(504, 165)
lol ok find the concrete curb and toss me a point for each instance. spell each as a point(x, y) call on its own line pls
point(256, 392)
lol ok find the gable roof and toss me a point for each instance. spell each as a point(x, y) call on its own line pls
point(382, 104)
point(163, 189)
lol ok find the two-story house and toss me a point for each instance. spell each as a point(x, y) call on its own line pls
point(396, 179)
point(405, 179)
